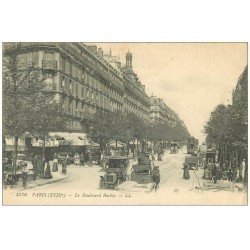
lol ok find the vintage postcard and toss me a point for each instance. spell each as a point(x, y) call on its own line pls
point(124, 123)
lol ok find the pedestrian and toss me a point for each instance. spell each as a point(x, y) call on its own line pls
point(153, 157)
point(47, 174)
point(9, 180)
point(87, 156)
point(55, 165)
point(104, 161)
point(43, 165)
point(156, 177)
point(230, 174)
point(39, 163)
point(242, 170)
point(77, 159)
point(68, 161)
point(64, 166)
point(186, 175)
point(24, 174)
point(159, 158)
point(214, 173)
point(82, 159)
point(34, 164)
point(237, 175)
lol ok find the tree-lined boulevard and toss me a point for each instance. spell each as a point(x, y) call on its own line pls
point(156, 152)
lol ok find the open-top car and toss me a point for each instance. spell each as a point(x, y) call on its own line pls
point(142, 176)
point(142, 173)
point(116, 172)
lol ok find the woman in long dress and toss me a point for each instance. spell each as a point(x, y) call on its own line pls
point(47, 174)
point(186, 175)
point(55, 165)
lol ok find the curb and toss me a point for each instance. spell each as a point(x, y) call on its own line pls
point(45, 183)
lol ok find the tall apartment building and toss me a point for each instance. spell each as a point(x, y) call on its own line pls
point(84, 80)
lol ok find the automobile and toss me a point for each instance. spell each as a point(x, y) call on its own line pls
point(192, 161)
point(116, 172)
point(142, 173)
point(174, 148)
point(142, 176)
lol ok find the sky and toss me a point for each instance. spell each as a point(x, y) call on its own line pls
point(192, 78)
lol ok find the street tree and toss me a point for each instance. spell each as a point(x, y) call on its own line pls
point(18, 87)
point(218, 126)
point(48, 116)
point(28, 106)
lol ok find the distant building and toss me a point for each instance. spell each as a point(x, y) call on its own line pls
point(161, 113)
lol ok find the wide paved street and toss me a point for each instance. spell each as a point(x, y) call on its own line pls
point(82, 187)
point(87, 178)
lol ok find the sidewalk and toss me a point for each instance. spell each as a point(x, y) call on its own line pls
point(57, 176)
point(221, 185)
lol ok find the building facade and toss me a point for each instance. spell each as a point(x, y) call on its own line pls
point(136, 100)
point(161, 113)
point(85, 80)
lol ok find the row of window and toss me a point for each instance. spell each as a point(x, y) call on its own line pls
point(84, 92)
point(77, 108)
point(32, 58)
